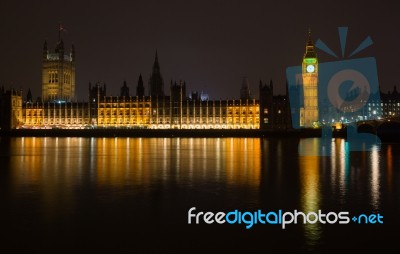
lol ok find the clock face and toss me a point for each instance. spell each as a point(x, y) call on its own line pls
point(310, 68)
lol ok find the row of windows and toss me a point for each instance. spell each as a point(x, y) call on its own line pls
point(53, 77)
point(55, 121)
point(57, 115)
point(115, 121)
point(166, 112)
point(123, 105)
point(67, 78)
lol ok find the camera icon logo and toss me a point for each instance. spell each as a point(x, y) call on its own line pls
point(360, 82)
point(347, 92)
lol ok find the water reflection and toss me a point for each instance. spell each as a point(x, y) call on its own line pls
point(389, 162)
point(355, 180)
point(134, 161)
point(339, 169)
point(310, 188)
point(60, 175)
point(374, 180)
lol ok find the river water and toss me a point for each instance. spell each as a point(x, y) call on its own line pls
point(134, 194)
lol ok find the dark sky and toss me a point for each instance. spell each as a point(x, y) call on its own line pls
point(210, 44)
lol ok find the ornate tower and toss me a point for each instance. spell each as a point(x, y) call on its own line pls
point(245, 89)
point(58, 73)
point(309, 113)
point(125, 90)
point(266, 105)
point(156, 82)
point(140, 87)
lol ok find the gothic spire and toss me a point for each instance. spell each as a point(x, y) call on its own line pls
point(140, 87)
point(156, 65)
point(309, 42)
point(29, 96)
point(310, 49)
point(45, 51)
point(245, 89)
point(156, 82)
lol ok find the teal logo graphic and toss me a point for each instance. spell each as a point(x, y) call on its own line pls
point(348, 92)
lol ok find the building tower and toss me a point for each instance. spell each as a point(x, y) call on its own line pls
point(125, 90)
point(178, 95)
point(156, 82)
point(266, 105)
point(140, 87)
point(245, 89)
point(97, 93)
point(58, 73)
point(309, 112)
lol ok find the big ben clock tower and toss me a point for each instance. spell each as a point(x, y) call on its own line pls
point(309, 113)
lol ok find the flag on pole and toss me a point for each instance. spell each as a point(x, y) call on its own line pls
point(60, 30)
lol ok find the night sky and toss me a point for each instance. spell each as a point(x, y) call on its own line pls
point(209, 44)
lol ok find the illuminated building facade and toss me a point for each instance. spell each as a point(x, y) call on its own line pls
point(170, 112)
point(55, 115)
point(176, 111)
point(58, 109)
point(58, 73)
point(390, 104)
point(309, 111)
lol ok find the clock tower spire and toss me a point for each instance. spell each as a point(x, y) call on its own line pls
point(309, 114)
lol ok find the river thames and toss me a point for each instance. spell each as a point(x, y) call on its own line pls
point(134, 194)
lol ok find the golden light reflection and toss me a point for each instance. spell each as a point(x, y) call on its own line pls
point(374, 179)
point(54, 168)
point(340, 168)
point(113, 161)
point(27, 161)
point(187, 159)
point(217, 156)
point(243, 166)
point(310, 189)
point(38, 167)
point(334, 155)
point(389, 161)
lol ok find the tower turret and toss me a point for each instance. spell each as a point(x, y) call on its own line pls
point(125, 90)
point(245, 89)
point(58, 72)
point(156, 82)
point(140, 87)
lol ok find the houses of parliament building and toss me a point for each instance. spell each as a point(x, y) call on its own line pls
point(58, 108)
point(156, 110)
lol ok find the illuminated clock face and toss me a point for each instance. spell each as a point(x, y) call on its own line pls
point(310, 68)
